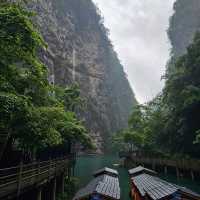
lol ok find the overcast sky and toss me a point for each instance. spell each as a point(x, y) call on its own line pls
point(138, 32)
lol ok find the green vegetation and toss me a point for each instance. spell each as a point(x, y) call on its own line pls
point(34, 113)
point(170, 123)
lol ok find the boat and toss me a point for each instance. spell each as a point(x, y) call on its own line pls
point(146, 185)
point(104, 186)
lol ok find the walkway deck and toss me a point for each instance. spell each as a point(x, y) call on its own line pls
point(15, 180)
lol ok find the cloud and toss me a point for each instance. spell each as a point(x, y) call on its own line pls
point(138, 32)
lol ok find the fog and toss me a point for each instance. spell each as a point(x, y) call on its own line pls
point(138, 32)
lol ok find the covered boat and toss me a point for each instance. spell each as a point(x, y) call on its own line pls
point(146, 186)
point(104, 186)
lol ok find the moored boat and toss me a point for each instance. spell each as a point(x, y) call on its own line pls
point(104, 186)
point(145, 185)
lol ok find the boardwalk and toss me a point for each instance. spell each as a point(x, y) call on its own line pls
point(15, 181)
point(180, 165)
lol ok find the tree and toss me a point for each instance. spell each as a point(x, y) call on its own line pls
point(33, 113)
point(118, 143)
point(23, 77)
point(133, 139)
point(182, 96)
point(136, 118)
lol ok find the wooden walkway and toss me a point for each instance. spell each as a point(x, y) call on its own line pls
point(15, 180)
point(189, 165)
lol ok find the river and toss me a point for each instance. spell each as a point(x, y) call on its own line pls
point(86, 165)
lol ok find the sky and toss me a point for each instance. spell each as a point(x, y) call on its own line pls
point(138, 33)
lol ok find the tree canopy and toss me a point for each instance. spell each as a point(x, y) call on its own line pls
point(34, 114)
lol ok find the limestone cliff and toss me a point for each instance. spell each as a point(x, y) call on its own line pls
point(183, 25)
point(75, 34)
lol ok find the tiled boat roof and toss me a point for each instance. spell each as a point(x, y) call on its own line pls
point(104, 185)
point(157, 188)
point(140, 169)
point(106, 169)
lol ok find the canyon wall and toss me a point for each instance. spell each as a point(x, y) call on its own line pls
point(184, 23)
point(79, 50)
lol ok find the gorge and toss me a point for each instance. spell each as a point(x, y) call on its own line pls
point(79, 50)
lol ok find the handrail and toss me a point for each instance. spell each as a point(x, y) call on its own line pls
point(15, 178)
point(185, 164)
point(32, 164)
point(10, 168)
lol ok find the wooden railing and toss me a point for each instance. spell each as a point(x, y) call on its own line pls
point(184, 164)
point(193, 165)
point(14, 180)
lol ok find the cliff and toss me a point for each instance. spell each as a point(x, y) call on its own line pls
point(184, 23)
point(79, 51)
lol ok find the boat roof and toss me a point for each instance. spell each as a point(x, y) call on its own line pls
point(106, 170)
point(104, 185)
point(157, 188)
point(139, 170)
point(154, 187)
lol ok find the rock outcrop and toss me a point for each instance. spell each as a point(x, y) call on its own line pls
point(79, 50)
point(184, 23)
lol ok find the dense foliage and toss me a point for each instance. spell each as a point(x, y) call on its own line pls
point(170, 123)
point(182, 96)
point(33, 113)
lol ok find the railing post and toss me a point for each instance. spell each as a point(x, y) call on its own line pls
point(153, 165)
point(165, 169)
point(177, 173)
point(192, 175)
point(63, 183)
point(54, 189)
point(55, 168)
point(50, 169)
point(38, 171)
point(39, 193)
point(19, 178)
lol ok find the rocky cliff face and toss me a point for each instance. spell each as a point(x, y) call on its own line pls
point(183, 25)
point(74, 32)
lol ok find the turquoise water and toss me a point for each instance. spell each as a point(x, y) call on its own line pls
point(86, 165)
